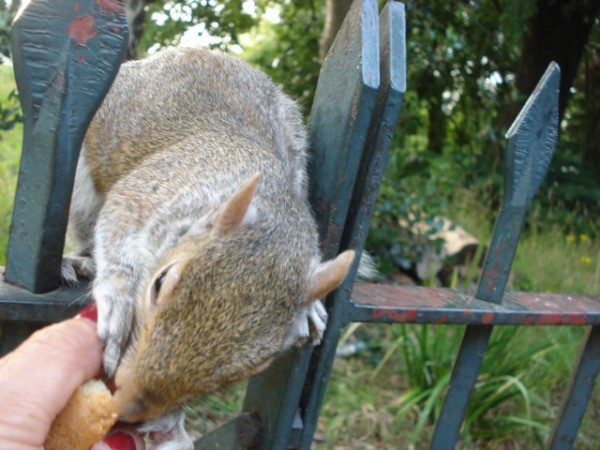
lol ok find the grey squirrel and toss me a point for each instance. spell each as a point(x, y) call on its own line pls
point(190, 212)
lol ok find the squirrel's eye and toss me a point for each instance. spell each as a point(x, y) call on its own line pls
point(158, 282)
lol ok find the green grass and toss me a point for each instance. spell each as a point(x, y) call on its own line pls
point(374, 402)
point(550, 257)
point(10, 151)
point(389, 396)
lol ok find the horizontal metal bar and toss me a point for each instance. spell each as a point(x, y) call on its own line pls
point(12, 334)
point(18, 304)
point(410, 304)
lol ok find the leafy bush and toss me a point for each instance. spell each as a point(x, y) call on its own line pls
point(10, 112)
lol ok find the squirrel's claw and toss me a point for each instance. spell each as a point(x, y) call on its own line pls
point(308, 324)
point(317, 320)
point(115, 319)
point(74, 267)
point(68, 276)
point(111, 358)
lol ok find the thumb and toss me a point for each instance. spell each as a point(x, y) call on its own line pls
point(38, 378)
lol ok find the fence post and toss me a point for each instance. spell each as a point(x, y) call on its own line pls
point(578, 394)
point(392, 32)
point(66, 55)
point(531, 142)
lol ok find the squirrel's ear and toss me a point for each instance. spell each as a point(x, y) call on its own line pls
point(163, 284)
point(328, 275)
point(233, 212)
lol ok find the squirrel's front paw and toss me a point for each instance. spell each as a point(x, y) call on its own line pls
point(114, 343)
point(115, 319)
point(112, 354)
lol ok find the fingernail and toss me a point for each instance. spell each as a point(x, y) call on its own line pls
point(90, 312)
point(120, 441)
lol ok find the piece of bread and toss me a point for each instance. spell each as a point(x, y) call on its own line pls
point(87, 417)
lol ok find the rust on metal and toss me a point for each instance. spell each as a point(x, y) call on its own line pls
point(82, 29)
point(410, 304)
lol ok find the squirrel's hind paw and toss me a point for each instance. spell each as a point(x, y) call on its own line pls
point(75, 267)
point(168, 432)
point(309, 324)
point(317, 320)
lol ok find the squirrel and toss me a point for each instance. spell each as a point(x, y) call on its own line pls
point(190, 212)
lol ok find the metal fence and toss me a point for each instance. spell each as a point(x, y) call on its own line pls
point(65, 60)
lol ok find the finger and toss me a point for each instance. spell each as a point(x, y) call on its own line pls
point(38, 378)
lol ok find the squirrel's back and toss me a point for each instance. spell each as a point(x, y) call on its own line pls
point(225, 97)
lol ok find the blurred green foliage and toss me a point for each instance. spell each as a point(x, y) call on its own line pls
point(462, 63)
point(168, 21)
point(10, 111)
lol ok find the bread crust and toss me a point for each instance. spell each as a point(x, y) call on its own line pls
point(87, 417)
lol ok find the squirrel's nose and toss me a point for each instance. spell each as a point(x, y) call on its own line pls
point(131, 409)
point(131, 405)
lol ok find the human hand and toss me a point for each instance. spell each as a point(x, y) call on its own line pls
point(38, 378)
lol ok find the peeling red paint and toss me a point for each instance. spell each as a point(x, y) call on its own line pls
point(77, 7)
point(111, 6)
point(82, 29)
point(579, 320)
point(412, 314)
point(549, 319)
point(487, 318)
point(437, 305)
point(80, 59)
point(442, 319)
point(492, 278)
point(396, 316)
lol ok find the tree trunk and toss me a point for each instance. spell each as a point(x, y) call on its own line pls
point(8, 12)
point(334, 17)
point(591, 135)
point(135, 12)
point(557, 31)
point(14, 8)
point(431, 88)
